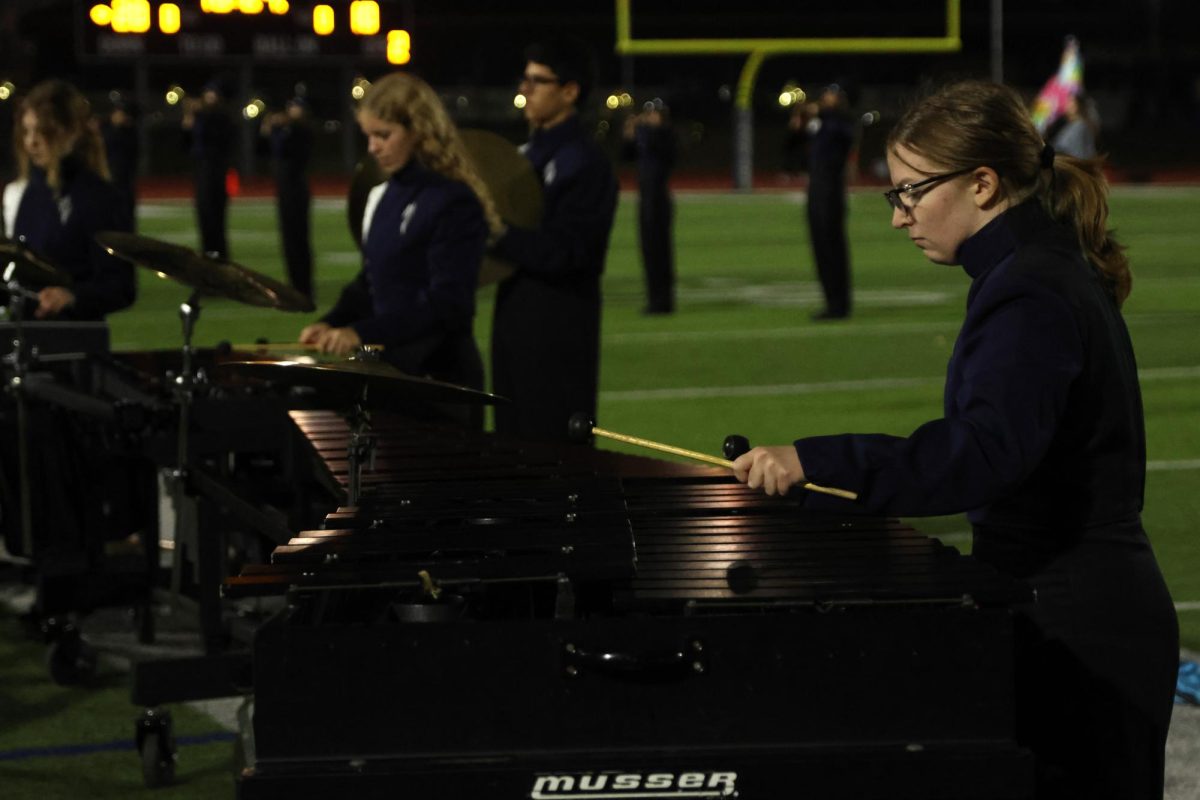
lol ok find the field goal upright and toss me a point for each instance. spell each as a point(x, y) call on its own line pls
point(759, 49)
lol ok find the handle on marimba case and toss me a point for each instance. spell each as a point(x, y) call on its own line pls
point(648, 667)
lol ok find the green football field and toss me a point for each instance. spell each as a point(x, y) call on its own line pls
point(741, 354)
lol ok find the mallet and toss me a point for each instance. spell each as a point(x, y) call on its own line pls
point(581, 426)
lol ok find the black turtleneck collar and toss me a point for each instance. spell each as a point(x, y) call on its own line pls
point(569, 128)
point(409, 172)
point(993, 242)
point(69, 168)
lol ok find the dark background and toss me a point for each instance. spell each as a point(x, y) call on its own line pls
point(1142, 66)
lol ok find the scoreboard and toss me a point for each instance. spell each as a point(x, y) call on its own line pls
point(242, 30)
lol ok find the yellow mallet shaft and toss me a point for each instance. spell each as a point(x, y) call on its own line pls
point(707, 459)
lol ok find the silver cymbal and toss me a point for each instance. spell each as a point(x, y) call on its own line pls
point(344, 383)
point(28, 268)
point(209, 276)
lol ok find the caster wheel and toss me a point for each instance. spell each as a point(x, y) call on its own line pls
point(69, 659)
point(156, 744)
point(157, 769)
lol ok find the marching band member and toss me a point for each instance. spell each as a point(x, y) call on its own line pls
point(1042, 441)
point(62, 199)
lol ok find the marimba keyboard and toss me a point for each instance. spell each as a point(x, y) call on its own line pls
point(504, 619)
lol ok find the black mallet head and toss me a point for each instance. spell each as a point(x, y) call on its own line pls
point(735, 446)
point(579, 427)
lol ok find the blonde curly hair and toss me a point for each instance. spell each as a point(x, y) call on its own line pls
point(409, 101)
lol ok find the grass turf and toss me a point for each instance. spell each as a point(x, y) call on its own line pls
point(37, 715)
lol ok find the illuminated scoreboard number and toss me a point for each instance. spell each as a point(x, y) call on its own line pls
point(259, 29)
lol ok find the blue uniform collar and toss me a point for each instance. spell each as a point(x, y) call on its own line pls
point(992, 243)
point(569, 128)
point(409, 173)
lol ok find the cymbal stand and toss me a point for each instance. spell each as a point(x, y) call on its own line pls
point(361, 447)
point(185, 382)
point(17, 296)
point(362, 441)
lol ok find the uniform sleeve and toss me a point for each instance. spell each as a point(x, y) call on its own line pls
point(1018, 360)
point(447, 301)
point(111, 284)
point(574, 232)
point(353, 304)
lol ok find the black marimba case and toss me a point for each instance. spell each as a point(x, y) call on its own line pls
point(569, 636)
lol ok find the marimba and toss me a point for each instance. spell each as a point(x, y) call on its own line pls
point(501, 619)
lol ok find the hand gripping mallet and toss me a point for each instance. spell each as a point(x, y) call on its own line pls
point(581, 427)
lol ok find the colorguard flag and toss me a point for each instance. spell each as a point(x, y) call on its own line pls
point(1065, 84)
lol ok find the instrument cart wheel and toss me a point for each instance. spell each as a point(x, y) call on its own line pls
point(69, 659)
point(156, 744)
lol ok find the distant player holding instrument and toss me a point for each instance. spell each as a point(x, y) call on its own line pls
point(1042, 442)
point(546, 327)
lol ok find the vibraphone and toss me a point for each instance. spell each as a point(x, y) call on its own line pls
point(503, 620)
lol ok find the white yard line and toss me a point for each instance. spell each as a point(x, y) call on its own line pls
point(769, 390)
point(949, 327)
point(820, 387)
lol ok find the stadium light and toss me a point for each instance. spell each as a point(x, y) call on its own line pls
point(168, 18)
point(364, 18)
point(791, 95)
point(130, 16)
point(254, 108)
point(101, 15)
point(612, 102)
point(174, 95)
point(399, 47)
point(322, 18)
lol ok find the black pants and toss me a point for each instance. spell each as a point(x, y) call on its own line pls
point(449, 357)
point(212, 204)
point(545, 355)
point(827, 232)
point(293, 203)
point(655, 217)
point(1097, 661)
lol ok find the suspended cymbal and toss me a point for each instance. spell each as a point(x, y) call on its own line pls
point(29, 269)
point(209, 276)
point(379, 385)
point(514, 188)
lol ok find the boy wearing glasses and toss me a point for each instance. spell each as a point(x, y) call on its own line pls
point(546, 328)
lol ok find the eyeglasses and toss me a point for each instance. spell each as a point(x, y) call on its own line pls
point(915, 190)
point(538, 80)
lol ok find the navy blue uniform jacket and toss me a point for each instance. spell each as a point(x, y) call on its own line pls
point(546, 328)
point(1042, 439)
point(63, 229)
point(422, 248)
